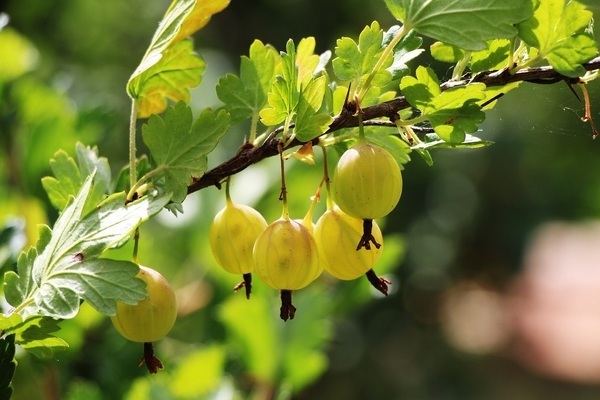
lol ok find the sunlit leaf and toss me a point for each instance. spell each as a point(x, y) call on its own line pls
point(180, 148)
point(169, 67)
point(245, 95)
point(557, 30)
point(467, 24)
point(452, 113)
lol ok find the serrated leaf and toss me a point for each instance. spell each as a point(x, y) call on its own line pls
point(178, 70)
point(20, 285)
point(68, 176)
point(556, 29)
point(467, 24)
point(100, 282)
point(309, 122)
point(34, 334)
point(283, 97)
point(66, 180)
point(179, 148)
point(167, 59)
point(452, 113)
point(355, 61)
point(67, 270)
point(246, 95)
point(8, 364)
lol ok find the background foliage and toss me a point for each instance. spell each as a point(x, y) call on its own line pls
point(466, 219)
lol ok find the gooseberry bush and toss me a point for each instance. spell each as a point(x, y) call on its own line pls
point(367, 103)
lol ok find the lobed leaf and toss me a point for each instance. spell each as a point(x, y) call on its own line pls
point(467, 24)
point(355, 61)
point(179, 148)
point(452, 113)
point(245, 95)
point(53, 278)
point(556, 29)
point(68, 176)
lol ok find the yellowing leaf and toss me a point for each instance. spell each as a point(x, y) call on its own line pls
point(199, 16)
point(178, 70)
point(172, 64)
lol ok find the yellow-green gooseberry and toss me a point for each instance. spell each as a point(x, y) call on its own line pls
point(153, 317)
point(367, 182)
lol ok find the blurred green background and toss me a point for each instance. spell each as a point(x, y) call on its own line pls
point(455, 247)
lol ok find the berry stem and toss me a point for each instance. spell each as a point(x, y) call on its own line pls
point(327, 180)
point(287, 310)
point(152, 362)
point(378, 283)
point(367, 237)
point(283, 196)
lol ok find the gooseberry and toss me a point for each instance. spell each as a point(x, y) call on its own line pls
point(153, 317)
point(232, 235)
point(286, 258)
point(367, 182)
point(336, 235)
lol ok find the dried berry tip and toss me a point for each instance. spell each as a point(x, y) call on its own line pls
point(152, 362)
point(367, 237)
point(378, 283)
point(287, 310)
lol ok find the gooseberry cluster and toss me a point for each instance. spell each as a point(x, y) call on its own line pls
point(346, 241)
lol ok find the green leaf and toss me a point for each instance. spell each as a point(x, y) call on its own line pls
point(179, 148)
point(557, 30)
point(8, 364)
point(355, 61)
point(68, 176)
point(168, 63)
point(298, 92)
point(452, 112)
point(467, 24)
point(20, 285)
point(66, 180)
point(34, 334)
point(433, 141)
point(246, 95)
point(67, 269)
point(309, 122)
point(283, 97)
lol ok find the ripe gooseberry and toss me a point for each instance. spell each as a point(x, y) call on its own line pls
point(153, 317)
point(232, 235)
point(367, 184)
point(286, 258)
point(336, 235)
